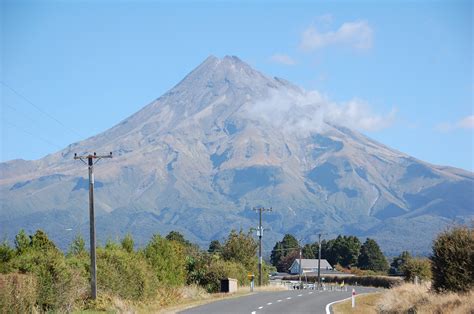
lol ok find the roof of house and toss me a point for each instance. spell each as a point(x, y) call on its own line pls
point(312, 263)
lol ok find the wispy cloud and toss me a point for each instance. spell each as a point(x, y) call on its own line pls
point(358, 35)
point(466, 123)
point(313, 112)
point(282, 59)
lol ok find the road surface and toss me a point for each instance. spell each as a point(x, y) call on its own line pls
point(291, 301)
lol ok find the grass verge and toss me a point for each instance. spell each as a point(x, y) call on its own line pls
point(365, 304)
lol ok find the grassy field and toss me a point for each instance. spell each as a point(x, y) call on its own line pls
point(409, 298)
point(365, 304)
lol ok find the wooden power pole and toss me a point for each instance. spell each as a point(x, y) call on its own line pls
point(90, 163)
point(260, 234)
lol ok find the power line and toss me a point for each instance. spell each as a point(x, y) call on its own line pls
point(33, 135)
point(39, 109)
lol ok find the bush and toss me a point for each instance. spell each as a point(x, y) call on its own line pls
point(18, 293)
point(417, 267)
point(219, 269)
point(453, 260)
point(167, 260)
point(124, 274)
point(59, 285)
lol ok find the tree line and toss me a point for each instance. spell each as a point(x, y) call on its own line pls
point(343, 251)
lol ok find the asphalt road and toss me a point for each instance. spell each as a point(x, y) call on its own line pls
point(292, 301)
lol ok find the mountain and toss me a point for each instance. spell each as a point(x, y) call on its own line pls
point(225, 139)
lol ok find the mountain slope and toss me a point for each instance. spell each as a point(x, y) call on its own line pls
point(225, 139)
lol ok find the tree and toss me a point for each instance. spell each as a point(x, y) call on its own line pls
point(310, 250)
point(371, 257)
point(285, 247)
point(22, 242)
point(215, 247)
point(398, 262)
point(40, 241)
point(167, 260)
point(286, 261)
point(128, 243)
point(6, 254)
point(240, 248)
point(344, 250)
point(77, 247)
point(417, 267)
point(453, 260)
point(178, 237)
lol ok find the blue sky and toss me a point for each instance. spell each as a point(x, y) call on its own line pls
point(72, 69)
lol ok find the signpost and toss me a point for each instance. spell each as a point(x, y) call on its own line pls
point(353, 297)
point(251, 277)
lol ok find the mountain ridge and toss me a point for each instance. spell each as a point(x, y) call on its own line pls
point(227, 138)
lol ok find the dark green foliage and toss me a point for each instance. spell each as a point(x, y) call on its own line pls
point(371, 257)
point(218, 269)
point(178, 237)
point(398, 262)
point(127, 243)
point(417, 267)
point(215, 247)
point(17, 293)
point(240, 248)
point(344, 250)
point(287, 246)
point(6, 254)
point(310, 250)
point(287, 260)
point(167, 259)
point(124, 274)
point(453, 260)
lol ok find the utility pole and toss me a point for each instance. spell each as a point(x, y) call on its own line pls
point(319, 261)
point(260, 234)
point(300, 268)
point(90, 163)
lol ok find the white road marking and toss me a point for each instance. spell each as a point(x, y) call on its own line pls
point(253, 312)
point(260, 307)
point(289, 298)
point(310, 293)
point(328, 306)
point(278, 300)
point(269, 303)
point(300, 295)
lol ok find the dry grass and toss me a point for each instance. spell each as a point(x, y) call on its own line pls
point(365, 304)
point(410, 298)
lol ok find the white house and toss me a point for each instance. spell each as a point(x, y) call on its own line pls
point(309, 265)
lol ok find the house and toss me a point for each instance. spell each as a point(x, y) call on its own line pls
point(309, 266)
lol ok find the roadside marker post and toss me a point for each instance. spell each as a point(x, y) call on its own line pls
point(251, 277)
point(353, 298)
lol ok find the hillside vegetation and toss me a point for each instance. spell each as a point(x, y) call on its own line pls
point(37, 275)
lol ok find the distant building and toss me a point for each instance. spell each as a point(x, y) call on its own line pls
point(309, 266)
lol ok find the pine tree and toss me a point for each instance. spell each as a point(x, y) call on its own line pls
point(371, 257)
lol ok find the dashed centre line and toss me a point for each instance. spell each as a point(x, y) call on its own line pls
point(300, 295)
point(289, 298)
point(278, 300)
point(260, 307)
point(269, 303)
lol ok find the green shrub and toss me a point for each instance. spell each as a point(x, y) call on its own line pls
point(167, 260)
point(17, 293)
point(59, 285)
point(453, 260)
point(6, 255)
point(124, 274)
point(219, 269)
point(417, 267)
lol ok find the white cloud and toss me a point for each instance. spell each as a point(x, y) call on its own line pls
point(358, 35)
point(282, 59)
point(313, 112)
point(465, 123)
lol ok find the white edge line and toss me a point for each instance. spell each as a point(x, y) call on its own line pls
point(328, 306)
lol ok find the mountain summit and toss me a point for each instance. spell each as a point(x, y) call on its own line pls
point(225, 139)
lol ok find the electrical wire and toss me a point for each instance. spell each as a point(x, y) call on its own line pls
point(39, 109)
